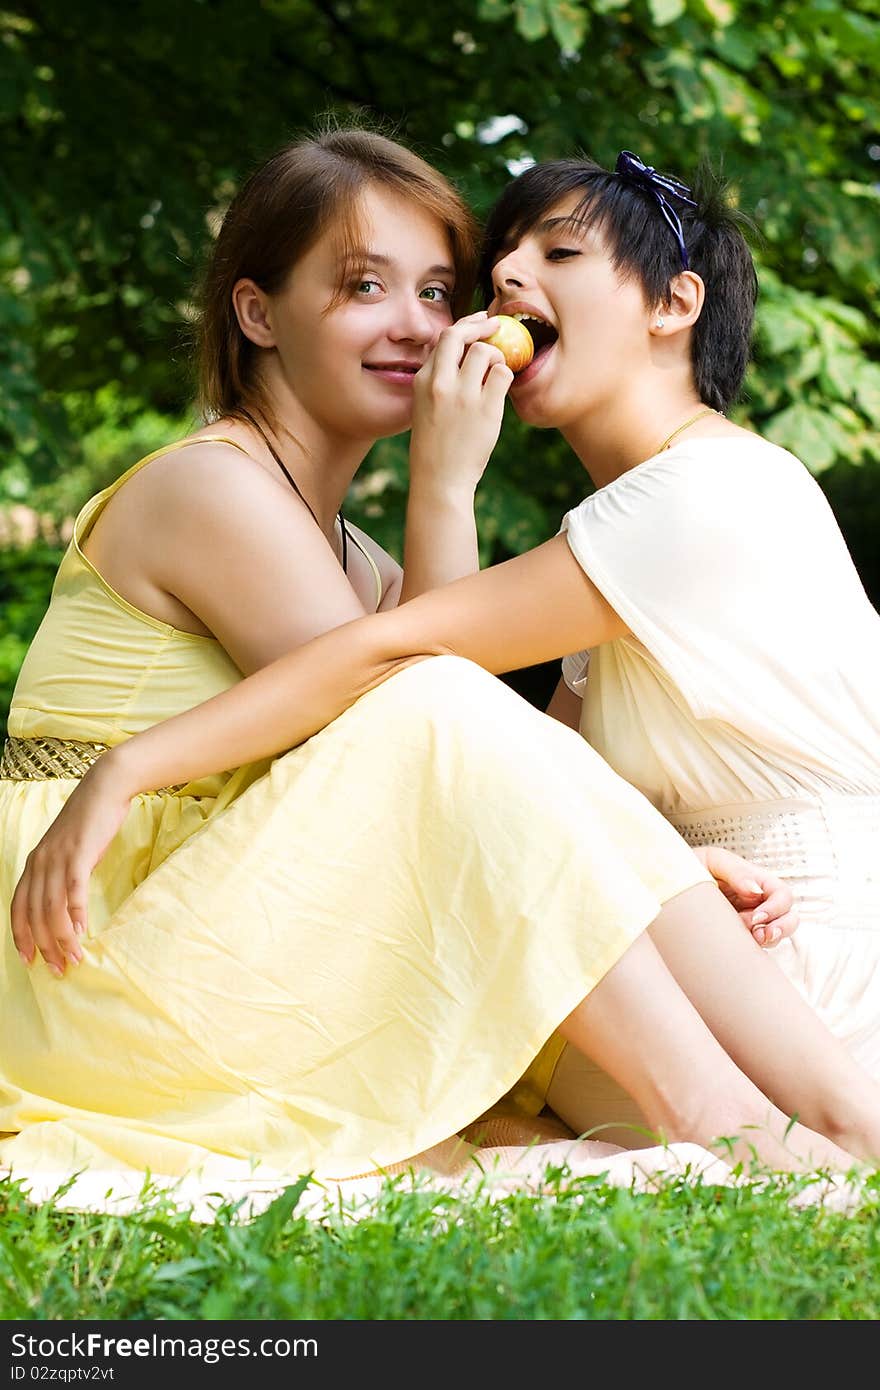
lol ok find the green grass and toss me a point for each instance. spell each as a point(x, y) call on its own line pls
point(586, 1250)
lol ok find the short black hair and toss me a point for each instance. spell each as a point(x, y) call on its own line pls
point(643, 245)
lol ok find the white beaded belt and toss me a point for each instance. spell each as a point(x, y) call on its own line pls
point(827, 847)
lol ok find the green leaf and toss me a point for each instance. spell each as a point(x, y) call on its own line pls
point(666, 11)
point(868, 390)
point(853, 320)
point(493, 10)
point(531, 19)
point(736, 99)
point(807, 367)
point(276, 1216)
point(569, 21)
point(722, 12)
point(739, 45)
point(181, 1269)
point(840, 363)
point(810, 433)
point(782, 329)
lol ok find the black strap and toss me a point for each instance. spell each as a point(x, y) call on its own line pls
point(293, 483)
point(344, 531)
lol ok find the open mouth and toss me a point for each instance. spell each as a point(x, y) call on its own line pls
point(543, 334)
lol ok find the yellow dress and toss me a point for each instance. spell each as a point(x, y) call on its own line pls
point(327, 963)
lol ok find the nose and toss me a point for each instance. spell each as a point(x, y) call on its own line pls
point(509, 275)
point(415, 321)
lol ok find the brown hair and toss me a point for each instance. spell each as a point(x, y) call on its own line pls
point(278, 215)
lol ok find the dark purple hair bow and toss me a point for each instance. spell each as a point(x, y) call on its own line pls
point(659, 185)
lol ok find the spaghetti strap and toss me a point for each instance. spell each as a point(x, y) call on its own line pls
point(91, 509)
point(372, 563)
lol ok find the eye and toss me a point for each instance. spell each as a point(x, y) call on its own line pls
point(436, 294)
point(367, 289)
point(561, 253)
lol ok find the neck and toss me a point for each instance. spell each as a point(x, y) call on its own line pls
point(322, 461)
point(616, 435)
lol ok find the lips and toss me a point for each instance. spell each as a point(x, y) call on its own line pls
point(410, 368)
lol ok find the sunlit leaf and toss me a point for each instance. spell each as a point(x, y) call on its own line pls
point(531, 18)
point(493, 10)
point(868, 390)
point(666, 11)
point(723, 12)
point(811, 433)
point(569, 21)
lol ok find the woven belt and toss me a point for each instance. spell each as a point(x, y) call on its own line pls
point(43, 759)
point(40, 759)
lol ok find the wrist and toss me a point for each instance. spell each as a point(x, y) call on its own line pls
point(451, 494)
point(115, 773)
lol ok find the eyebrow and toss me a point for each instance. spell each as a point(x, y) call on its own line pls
point(363, 254)
point(543, 228)
point(550, 224)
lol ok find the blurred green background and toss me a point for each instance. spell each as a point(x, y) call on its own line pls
point(124, 129)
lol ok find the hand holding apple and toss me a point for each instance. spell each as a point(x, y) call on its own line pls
point(458, 406)
point(514, 340)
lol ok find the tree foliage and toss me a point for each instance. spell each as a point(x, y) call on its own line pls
point(125, 129)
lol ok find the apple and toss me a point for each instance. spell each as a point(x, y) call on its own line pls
point(515, 341)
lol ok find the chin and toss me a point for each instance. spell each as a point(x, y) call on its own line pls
point(387, 423)
point(534, 413)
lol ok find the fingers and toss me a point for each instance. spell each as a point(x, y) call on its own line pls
point(746, 884)
point(50, 902)
point(21, 927)
point(479, 361)
point(58, 919)
point(777, 902)
point(737, 876)
point(770, 931)
point(48, 913)
point(454, 342)
point(764, 902)
point(497, 383)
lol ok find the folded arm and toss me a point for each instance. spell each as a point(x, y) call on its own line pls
point(526, 611)
point(520, 613)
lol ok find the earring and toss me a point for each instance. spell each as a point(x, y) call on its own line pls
point(660, 323)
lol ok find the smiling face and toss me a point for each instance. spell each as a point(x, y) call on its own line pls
point(349, 358)
point(589, 324)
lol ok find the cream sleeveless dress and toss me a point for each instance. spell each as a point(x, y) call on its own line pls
point(746, 703)
point(325, 963)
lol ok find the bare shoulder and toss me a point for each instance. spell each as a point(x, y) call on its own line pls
point(203, 490)
point(208, 497)
point(199, 469)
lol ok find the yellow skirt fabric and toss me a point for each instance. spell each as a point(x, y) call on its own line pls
point(352, 961)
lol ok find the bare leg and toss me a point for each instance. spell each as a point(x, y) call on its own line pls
point(594, 1105)
point(641, 1027)
point(764, 1024)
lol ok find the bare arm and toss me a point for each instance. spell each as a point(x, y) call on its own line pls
point(458, 406)
point(528, 610)
point(521, 613)
point(566, 706)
